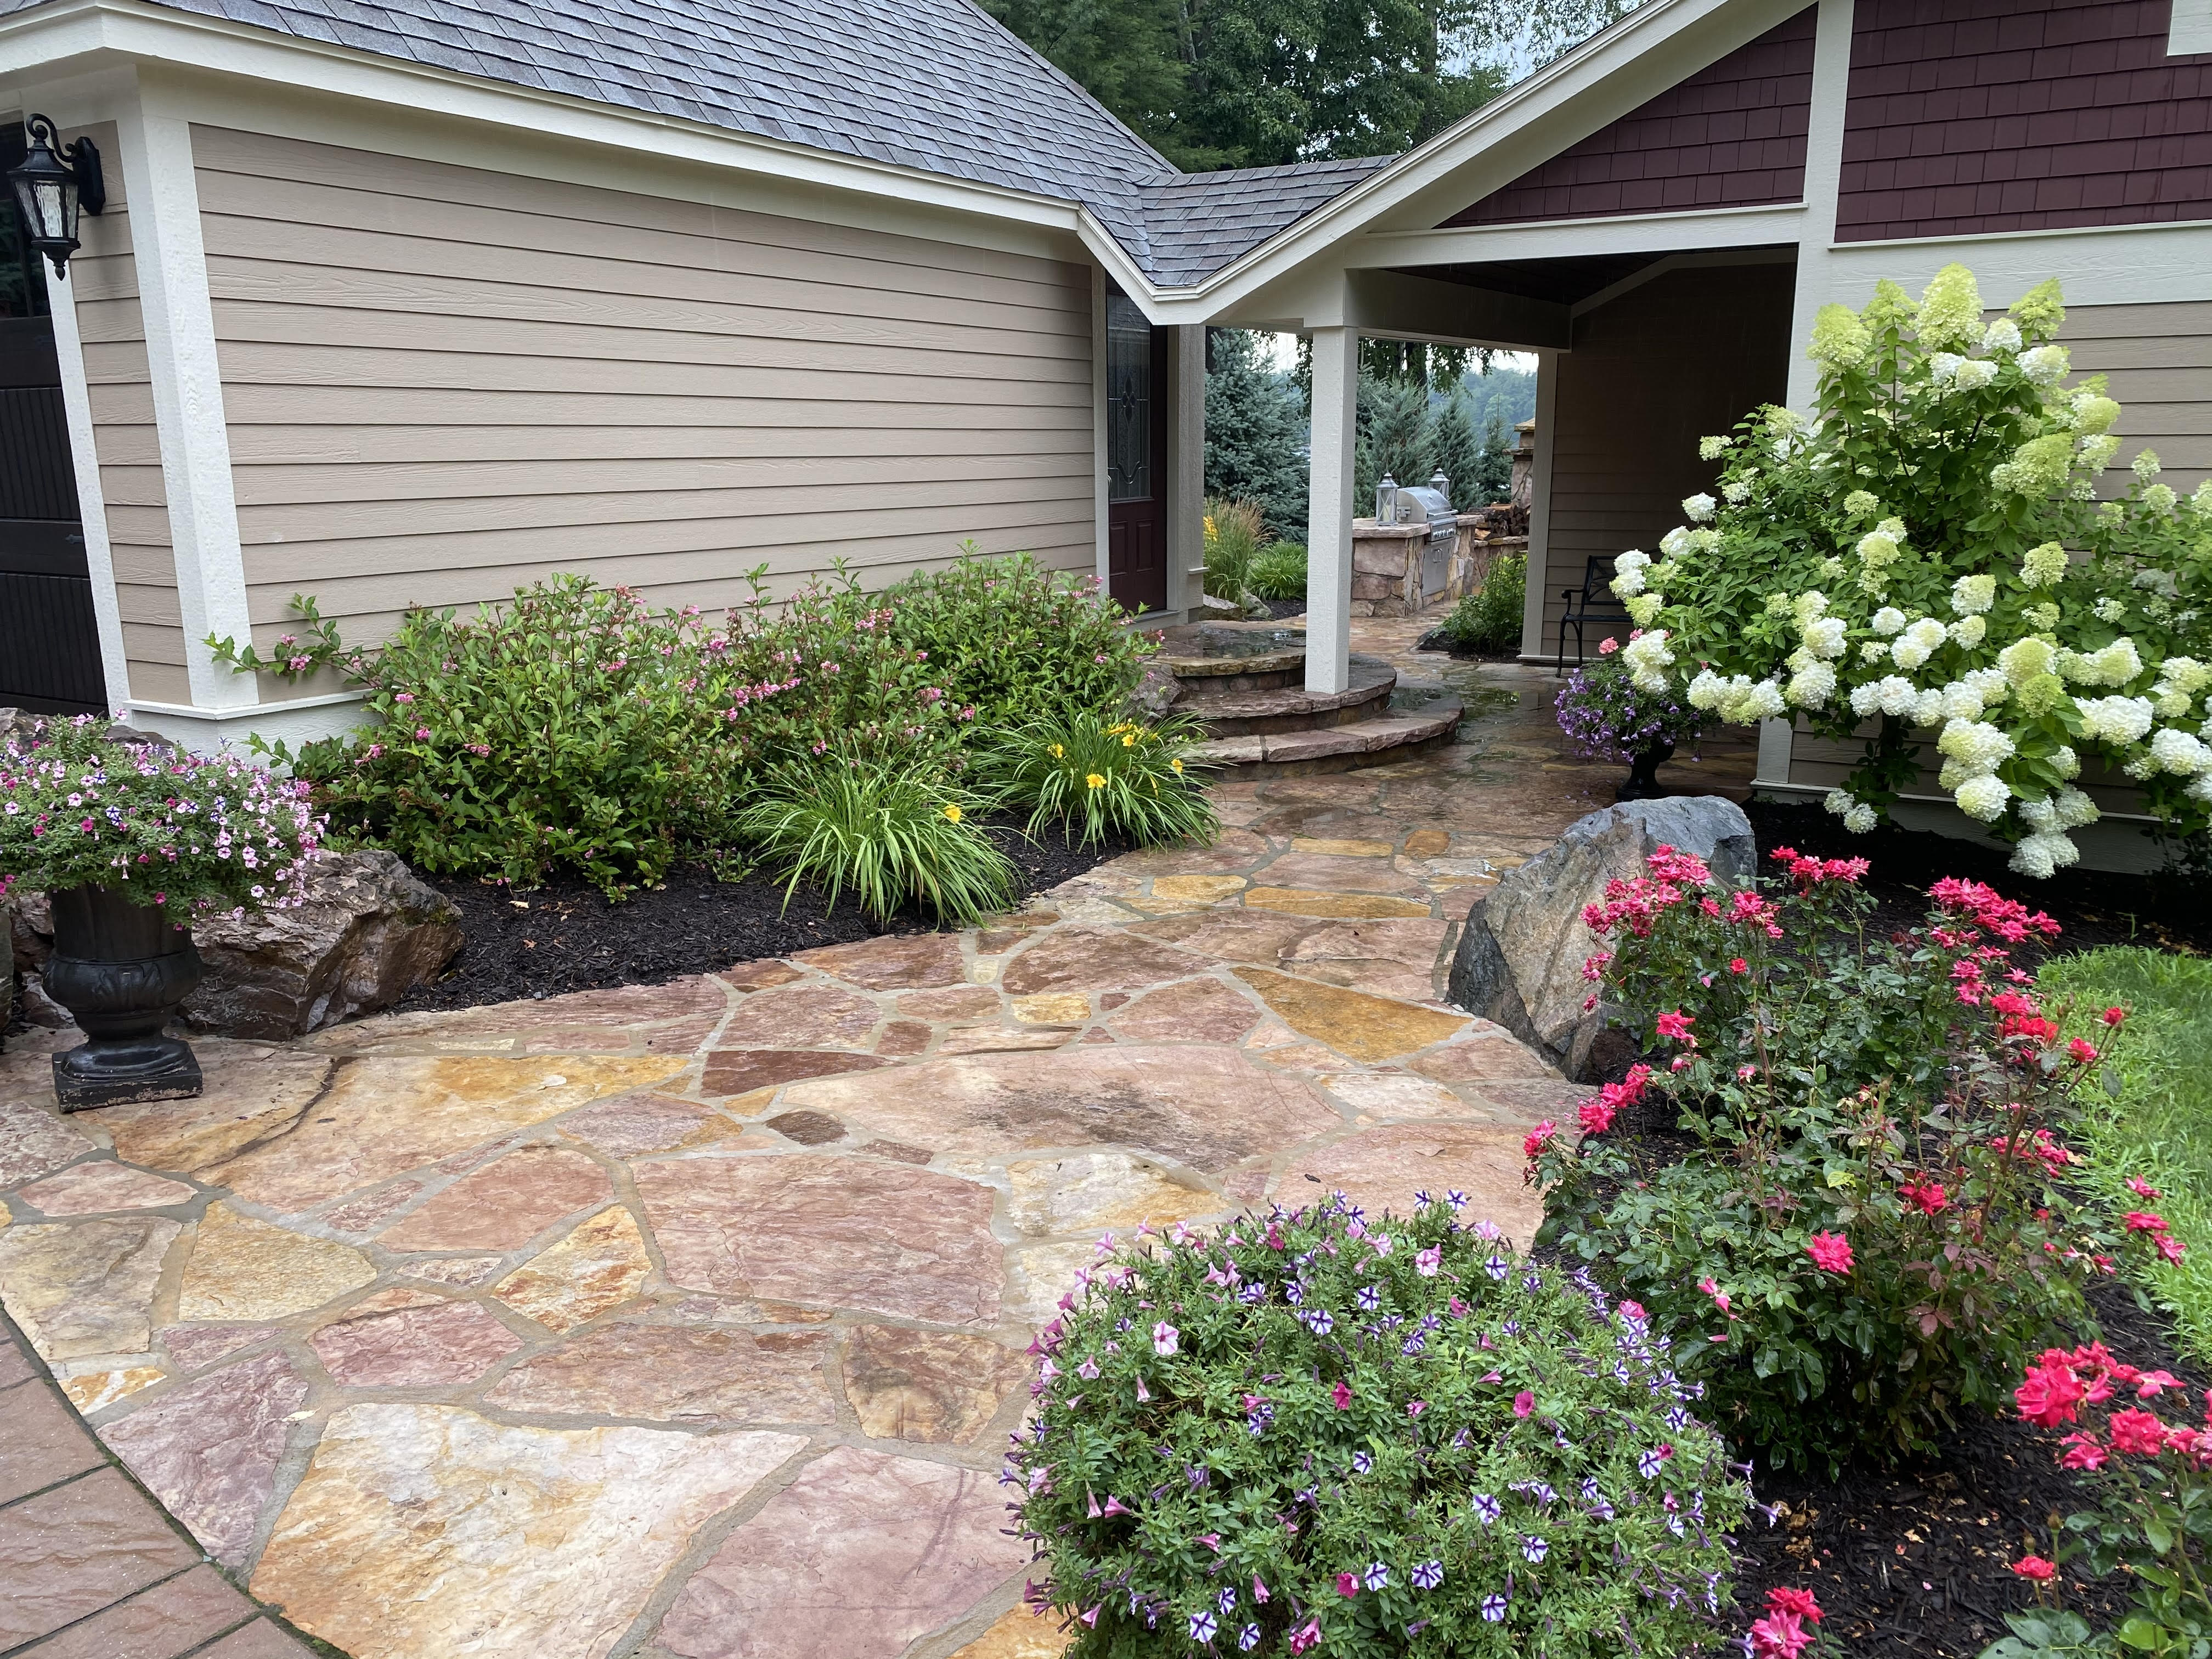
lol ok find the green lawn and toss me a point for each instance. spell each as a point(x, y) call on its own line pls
point(2160, 1128)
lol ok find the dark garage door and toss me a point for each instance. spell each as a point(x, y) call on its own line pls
point(49, 642)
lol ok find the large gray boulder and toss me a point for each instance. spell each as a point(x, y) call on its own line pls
point(367, 933)
point(1521, 955)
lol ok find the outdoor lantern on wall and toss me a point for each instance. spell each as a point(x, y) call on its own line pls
point(52, 181)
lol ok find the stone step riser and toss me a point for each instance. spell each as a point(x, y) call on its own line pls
point(1295, 719)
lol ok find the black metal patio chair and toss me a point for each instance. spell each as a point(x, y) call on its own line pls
point(1593, 602)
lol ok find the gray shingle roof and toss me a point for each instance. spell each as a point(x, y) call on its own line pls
point(935, 85)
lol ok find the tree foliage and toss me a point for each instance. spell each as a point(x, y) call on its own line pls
point(1218, 83)
point(1255, 432)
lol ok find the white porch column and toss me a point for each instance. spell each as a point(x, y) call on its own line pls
point(1329, 510)
point(163, 193)
point(1186, 550)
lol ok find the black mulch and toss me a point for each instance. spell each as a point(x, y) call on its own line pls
point(2095, 907)
point(566, 936)
point(1914, 1561)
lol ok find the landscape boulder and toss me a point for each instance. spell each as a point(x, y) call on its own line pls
point(1519, 956)
point(367, 934)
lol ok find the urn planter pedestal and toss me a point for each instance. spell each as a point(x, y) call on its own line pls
point(1643, 781)
point(120, 968)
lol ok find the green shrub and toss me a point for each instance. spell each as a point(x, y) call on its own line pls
point(1310, 1432)
point(571, 726)
point(1236, 532)
point(1882, 1216)
point(1098, 777)
point(2160, 1128)
point(895, 831)
point(1010, 639)
point(1489, 619)
point(1280, 572)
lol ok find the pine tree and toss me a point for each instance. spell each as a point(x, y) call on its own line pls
point(1459, 452)
point(1397, 436)
point(1255, 432)
point(1493, 479)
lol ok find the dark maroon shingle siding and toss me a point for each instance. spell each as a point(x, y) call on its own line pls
point(1733, 134)
point(1971, 117)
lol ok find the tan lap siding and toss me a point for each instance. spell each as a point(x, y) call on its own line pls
point(1685, 355)
point(2158, 359)
point(104, 277)
point(442, 382)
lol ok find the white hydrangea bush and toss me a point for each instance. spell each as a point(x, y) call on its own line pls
point(1929, 558)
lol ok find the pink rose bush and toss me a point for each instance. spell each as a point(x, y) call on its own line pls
point(1883, 1213)
point(2149, 1482)
point(1366, 1437)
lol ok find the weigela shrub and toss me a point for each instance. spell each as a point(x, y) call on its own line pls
point(1310, 1433)
point(2151, 1484)
point(573, 726)
point(1011, 639)
point(155, 824)
point(1929, 555)
point(1609, 716)
point(1872, 1220)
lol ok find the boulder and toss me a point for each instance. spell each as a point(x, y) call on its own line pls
point(1521, 955)
point(1156, 691)
point(367, 933)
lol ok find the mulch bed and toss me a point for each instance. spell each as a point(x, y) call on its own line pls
point(2095, 907)
point(566, 936)
point(1913, 1561)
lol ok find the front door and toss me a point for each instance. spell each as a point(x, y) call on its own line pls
point(1136, 457)
point(49, 640)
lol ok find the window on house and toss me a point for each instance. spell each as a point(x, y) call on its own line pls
point(1128, 401)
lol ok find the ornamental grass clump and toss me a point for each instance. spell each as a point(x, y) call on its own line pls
point(153, 823)
point(1608, 715)
point(1927, 563)
point(898, 833)
point(1099, 777)
point(1880, 1210)
point(1310, 1433)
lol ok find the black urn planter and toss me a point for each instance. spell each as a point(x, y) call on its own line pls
point(121, 968)
point(1643, 781)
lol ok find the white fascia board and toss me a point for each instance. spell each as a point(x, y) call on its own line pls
point(78, 34)
point(1568, 238)
point(2096, 264)
point(1607, 75)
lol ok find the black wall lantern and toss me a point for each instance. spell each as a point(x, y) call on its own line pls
point(51, 182)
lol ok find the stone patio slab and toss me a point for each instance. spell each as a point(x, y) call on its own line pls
point(935, 1386)
point(87, 1287)
point(1353, 1023)
point(421, 1532)
point(859, 1555)
point(593, 1269)
point(243, 1268)
point(677, 1374)
point(208, 1449)
point(504, 1205)
point(100, 1189)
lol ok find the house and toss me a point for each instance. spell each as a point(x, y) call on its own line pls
point(403, 301)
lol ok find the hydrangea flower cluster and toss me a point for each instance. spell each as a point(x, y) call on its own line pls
point(160, 825)
point(1928, 565)
point(1320, 1430)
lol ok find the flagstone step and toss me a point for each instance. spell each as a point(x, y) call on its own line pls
point(1427, 722)
point(1290, 707)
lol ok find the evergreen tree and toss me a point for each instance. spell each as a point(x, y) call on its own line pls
point(1255, 432)
point(1397, 436)
point(1459, 452)
point(1493, 479)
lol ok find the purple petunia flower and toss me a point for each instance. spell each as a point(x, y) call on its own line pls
point(1361, 1462)
point(1534, 1548)
point(1493, 1608)
point(1428, 1575)
point(1203, 1624)
point(1498, 1266)
point(1249, 1638)
point(1226, 1600)
point(1320, 1321)
point(1487, 1509)
point(1378, 1576)
point(1649, 1463)
point(1368, 1298)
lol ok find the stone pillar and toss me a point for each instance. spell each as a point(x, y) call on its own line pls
point(1328, 523)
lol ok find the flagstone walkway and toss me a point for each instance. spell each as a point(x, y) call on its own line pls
point(686, 1321)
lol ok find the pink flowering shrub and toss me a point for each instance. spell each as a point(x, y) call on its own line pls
point(2150, 1482)
point(1314, 1432)
point(159, 825)
point(1871, 1220)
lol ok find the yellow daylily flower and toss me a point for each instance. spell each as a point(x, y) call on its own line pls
point(1129, 740)
point(952, 813)
point(1096, 781)
point(1175, 767)
point(1058, 752)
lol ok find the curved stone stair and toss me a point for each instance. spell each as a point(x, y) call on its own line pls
point(1285, 731)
